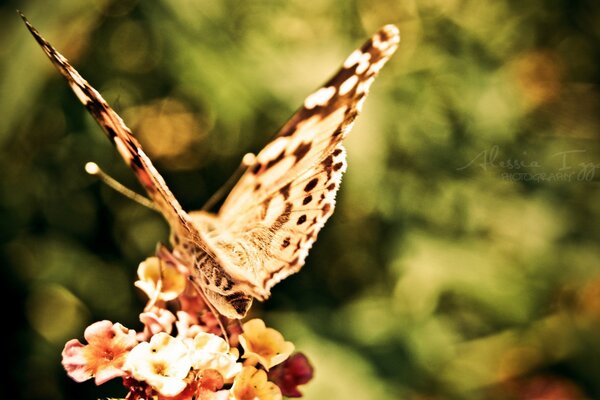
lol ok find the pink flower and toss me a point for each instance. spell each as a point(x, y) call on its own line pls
point(156, 320)
point(104, 355)
point(294, 371)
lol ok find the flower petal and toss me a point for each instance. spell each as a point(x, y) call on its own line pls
point(163, 363)
point(252, 384)
point(212, 352)
point(74, 361)
point(103, 356)
point(266, 345)
point(294, 371)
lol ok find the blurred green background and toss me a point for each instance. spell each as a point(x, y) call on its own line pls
point(462, 261)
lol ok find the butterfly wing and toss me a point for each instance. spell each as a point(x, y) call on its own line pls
point(119, 134)
point(272, 216)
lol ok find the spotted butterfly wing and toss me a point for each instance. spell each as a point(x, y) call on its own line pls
point(272, 216)
point(269, 221)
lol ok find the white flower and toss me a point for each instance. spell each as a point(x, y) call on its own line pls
point(212, 352)
point(163, 363)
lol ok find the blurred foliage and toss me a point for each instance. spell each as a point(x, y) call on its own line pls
point(462, 261)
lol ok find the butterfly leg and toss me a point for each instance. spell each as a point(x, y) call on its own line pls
point(213, 310)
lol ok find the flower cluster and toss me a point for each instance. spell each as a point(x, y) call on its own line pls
point(189, 353)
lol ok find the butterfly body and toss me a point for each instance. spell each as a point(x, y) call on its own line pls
point(267, 224)
point(226, 292)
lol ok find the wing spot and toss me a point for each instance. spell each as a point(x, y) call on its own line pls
point(286, 242)
point(284, 217)
point(350, 116)
point(348, 85)
point(307, 200)
point(301, 150)
point(285, 191)
point(311, 185)
point(363, 64)
point(326, 208)
point(319, 98)
point(337, 132)
point(276, 159)
point(353, 58)
point(257, 187)
point(368, 44)
point(331, 187)
point(301, 220)
point(337, 152)
point(338, 166)
point(256, 168)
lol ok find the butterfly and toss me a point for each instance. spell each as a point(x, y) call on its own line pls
point(269, 221)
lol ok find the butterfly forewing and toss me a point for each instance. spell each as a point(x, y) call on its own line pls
point(274, 213)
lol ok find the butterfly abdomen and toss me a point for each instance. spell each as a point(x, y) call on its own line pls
point(229, 297)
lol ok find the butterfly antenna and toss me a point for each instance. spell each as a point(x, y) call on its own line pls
point(93, 169)
point(213, 310)
point(247, 161)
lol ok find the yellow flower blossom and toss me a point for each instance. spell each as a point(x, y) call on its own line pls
point(252, 384)
point(266, 345)
point(159, 281)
